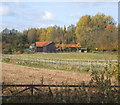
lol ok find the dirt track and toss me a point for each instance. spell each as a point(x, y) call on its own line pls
point(17, 74)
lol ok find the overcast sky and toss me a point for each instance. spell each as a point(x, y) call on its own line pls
point(24, 15)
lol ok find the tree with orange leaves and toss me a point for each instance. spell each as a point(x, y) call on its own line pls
point(110, 27)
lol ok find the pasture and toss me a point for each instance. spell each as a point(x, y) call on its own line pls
point(73, 55)
point(82, 62)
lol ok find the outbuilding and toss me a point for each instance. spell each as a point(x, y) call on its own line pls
point(45, 47)
point(68, 47)
point(85, 50)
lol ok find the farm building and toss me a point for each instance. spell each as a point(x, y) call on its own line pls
point(32, 46)
point(84, 50)
point(45, 47)
point(68, 47)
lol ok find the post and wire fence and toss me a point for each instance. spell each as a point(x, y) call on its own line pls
point(29, 86)
point(68, 97)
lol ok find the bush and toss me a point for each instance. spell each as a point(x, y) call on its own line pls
point(112, 70)
point(7, 51)
point(6, 60)
point(20, 51)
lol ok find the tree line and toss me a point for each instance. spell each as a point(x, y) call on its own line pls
point(99, 31)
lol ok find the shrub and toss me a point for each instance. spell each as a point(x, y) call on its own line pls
point(7, 51)
point(112, 70)
point(6, 60)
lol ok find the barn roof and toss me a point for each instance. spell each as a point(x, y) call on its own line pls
point(68, 45)
point(72, 45)
point(42, 44)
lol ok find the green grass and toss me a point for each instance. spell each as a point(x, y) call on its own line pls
point(52, 67)
point(97, 56)
point(60, 57)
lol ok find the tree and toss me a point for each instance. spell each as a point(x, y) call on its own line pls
point(31, 35)
point(49, 34)
point(6, 31)
point(13, 32)
point(56, 34)
point(100, 21)
point(59, 37)
point(43, 32)
point(84, 24)
point(110, 27)
point(71, 36)
point(37, 35)
point(25, 32)
point(89, 29)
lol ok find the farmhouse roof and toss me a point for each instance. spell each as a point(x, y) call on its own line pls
point(42, 44)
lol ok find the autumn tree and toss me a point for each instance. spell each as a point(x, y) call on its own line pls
point(110, 27)
point(31, 35)
point(57, 34)
point(83, 25)
point(71, 35)
point(50, 32)
point(37, 34)
point(43, 32)
point(89, 27)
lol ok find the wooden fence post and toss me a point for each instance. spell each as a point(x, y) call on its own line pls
point(31, 90)
point(42, 80)
point(50, 91)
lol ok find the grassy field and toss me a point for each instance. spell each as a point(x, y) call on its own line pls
point(97, 56)
point(63, 61)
